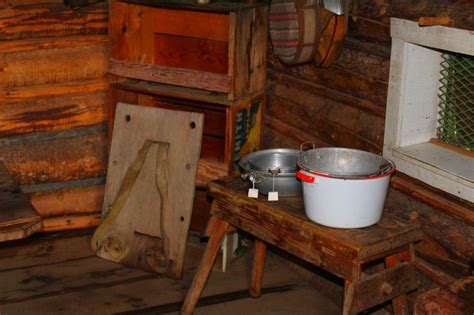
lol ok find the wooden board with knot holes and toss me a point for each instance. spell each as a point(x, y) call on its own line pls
point(150, 188)
point(18, 218)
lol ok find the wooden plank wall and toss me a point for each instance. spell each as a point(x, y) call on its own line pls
point(344, 105)
point(53, 94)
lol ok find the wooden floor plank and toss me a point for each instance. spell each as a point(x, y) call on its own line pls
point(43, 250)
point(29, 283)
point(302, 299)
point(96, 286)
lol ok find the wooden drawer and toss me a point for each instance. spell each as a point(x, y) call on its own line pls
point(223, 51)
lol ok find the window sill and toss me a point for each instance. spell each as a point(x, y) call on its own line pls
point(437, 166)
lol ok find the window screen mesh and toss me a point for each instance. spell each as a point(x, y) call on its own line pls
point(456, 105)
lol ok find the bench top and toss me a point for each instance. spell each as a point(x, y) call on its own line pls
point(286, 218)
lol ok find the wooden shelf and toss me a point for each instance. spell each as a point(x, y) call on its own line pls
point(173, 91)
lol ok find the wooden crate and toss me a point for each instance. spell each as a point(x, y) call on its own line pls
point(219, 48)
point(209, 59)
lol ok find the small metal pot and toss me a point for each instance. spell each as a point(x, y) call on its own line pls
point(273, 170)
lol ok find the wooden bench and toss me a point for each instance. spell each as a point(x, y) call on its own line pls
point(18, 218)
point(343, 252)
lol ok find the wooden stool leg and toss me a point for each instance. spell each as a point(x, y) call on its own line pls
point(257, 269)
point(400, 305)
point(348, 297)
point(207, 261)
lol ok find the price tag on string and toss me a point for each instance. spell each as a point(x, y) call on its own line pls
point(253, 192)
point(273, 195)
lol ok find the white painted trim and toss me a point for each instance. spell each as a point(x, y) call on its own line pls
point(432, 174)
point(440, 37)
point(412, 104)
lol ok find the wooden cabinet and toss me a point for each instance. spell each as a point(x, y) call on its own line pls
point(209, 59)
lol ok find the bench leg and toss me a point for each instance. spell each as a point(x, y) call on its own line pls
point(207, 261)
point(348, 297)
point(400, 305)
point(257, 269)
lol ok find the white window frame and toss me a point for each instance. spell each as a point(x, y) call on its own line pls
point(412, 107)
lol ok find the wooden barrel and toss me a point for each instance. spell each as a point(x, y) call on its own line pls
point(301, 31)
point(294, 29)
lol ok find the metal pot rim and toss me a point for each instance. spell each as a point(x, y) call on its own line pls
point(244, 161)
point(334, 174)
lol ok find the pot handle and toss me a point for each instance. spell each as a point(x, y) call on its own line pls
point(305, 178)
point(302, 146)
point(253, 177)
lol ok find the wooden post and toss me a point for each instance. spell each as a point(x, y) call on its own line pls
point(257, 269)
point(400, 305)
point(207, 261)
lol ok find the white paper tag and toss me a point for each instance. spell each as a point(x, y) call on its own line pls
point(253, 193)
point(273, 196)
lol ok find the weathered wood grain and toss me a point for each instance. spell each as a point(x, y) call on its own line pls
point(46, 249)
point(68, 201)
point(71, 222)
point(176, 76)
point(191, 53)
point(209, 170)
point(139, 218)
point(20, 230)
point(326, 92)
point(456, 238)
point(294, 230)
point(369, 29)
point(44, 280)
point(18, 218)
point(44, 90)
point(51, 113)
point(16, 3)
point(435, 198)
point(52, 20)
point(289, 135)
point(338, 79)
point(53, 43)
point(332, 127)
point(455, 298)
point(369, 291)
point(249, 42)
point(36, 65)
point(59, 159)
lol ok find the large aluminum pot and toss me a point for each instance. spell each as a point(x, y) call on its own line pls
point(273, 167)
point(344, 188)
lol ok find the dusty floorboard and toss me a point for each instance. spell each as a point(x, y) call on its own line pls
point(62, 276)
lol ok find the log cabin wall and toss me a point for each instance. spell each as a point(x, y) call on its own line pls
point(53, 94)
point(344, 105)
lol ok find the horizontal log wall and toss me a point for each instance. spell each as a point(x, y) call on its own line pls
point(53, 99)
point(344, 105)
